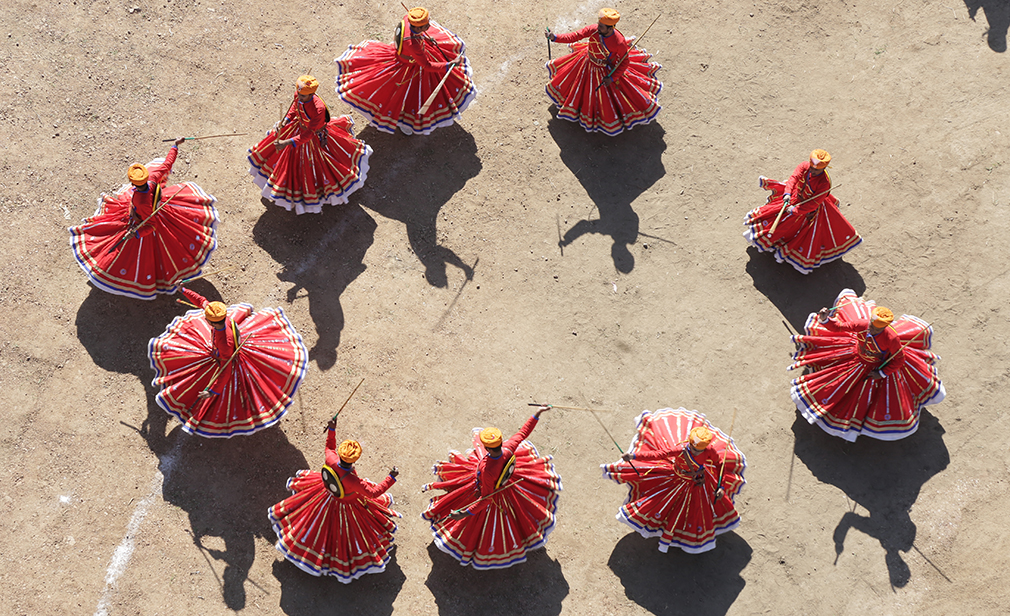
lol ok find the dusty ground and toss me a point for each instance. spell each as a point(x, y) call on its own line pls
point(656, 302)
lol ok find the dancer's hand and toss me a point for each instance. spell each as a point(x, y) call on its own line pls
point(179, 140)
point(549, 35)
point(608, 80)
point(458, 515)
point(541, 409)
point(331, 424)
point(876, 375)
point(203, 395)
point(626, 457)
point(719, 493)
point(393, 472)
point(824, 315)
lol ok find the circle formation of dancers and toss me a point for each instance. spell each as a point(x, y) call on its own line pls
point(225, 371)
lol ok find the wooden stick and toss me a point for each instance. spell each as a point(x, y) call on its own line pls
point(185, 303)
point(615, 441)
point(504, 487)
point(549, 44)
point(910, 341)
point(346, 401)
point(434, 93)
point(208, 137)
point(779, 217)
point(627, 53)
point(217, 271)
point(569, 408)
point(157, 209)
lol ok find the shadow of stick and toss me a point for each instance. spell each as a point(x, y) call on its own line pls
point(452, 304)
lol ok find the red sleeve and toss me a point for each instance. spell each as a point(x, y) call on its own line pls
point(354, 484)
point(194, 297)
point(332, 459)
point(292, 113)
point(796, 177)
point(888, 341)
point(159, 173)
point(578, 35)
point(850, 326)
point(651, 456)
point(509, 447)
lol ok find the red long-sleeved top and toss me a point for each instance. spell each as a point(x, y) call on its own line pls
point(415, 50)
point(802, 185)
point(874, 349)
point(310, 117)
point(489, 469)
point(348, 478)
point(603, 50)
point(686, 463)
point(224, 341)
point(143, 200)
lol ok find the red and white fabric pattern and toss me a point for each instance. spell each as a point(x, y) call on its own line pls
point(507, 523)
point(323, 167)
point(672, 496)
point(142, 261)
point(575, 80)
point(812, 234)
point(344, 529)
point(837, 392)
point(251, 382)
point(390, 83)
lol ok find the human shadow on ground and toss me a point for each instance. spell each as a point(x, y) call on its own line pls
point(614, 171)
point(225, 486)
point(703, 584)
point(533, 588)
point(796, 295)
point(306, 595)
point(883, 477)
point(115, 331)
point(411, 178)
point(321, 254)
point(997, 13)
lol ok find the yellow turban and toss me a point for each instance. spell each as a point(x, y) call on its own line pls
point(417, 16)
point(215, 312)
point(819, 159)
point(609, 17)
point(349, 451)
point(138, 174)
point(882, 317)
point(490, 437)
point(700, 437)
point(307, 84)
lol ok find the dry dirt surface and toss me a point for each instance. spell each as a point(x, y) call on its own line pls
point(653, 300)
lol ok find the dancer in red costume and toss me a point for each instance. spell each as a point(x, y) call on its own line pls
point(868, 373)
point(390, 83)
point(308, 160)
point(146, 238)
point(604, 84)
point(336, 523)
point(810, 233)
point(227, 370)
point(500, 502)
point(684, 493)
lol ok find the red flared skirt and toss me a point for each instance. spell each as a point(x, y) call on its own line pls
point(804, 244)
point(508, 524)
point(390, 91)
point(326, 535)
point(306, 177)
point(662, 503)
point(573, 86)
point(180, 243)
point(254, 388)
point(837, 393)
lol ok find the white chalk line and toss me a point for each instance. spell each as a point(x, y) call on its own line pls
point(121, 556)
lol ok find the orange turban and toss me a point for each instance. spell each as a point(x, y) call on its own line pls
point(609, 17)
point(490, 437)
point(418, 16)
point(215, 312)
point(349, 451)
point(819, 159)
point(700, 437)
point(138, 174)
point(882, 317)
point(307, 84)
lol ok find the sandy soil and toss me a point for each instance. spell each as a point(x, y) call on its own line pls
point(654, 301)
